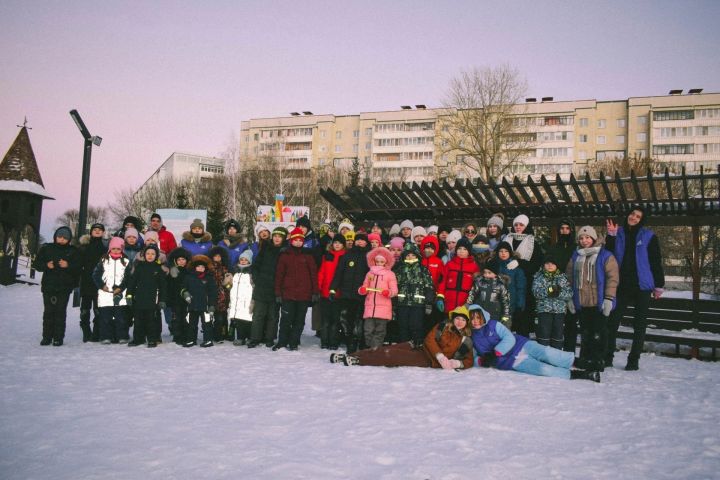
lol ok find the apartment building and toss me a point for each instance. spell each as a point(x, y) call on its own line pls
point(182, 166)
point(563, 137)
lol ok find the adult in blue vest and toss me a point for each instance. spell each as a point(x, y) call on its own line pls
point(594, 276)
point(637, 250)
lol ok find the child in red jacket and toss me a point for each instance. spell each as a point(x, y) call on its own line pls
point(379, 286)
point(460, 272)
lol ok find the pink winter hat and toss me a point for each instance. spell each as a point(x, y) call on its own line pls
point(116, 242)
point(374, 236)
point(397, 242)
point(151, 235)
point(131, 232)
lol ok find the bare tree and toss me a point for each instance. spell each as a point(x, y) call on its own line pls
point(477, 126)
point(70, 217)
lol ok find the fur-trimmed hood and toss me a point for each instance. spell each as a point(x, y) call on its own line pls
point(224, 257)
point(187, 235)
point(389, 257)
point(432, 240)
point(178, 253)
point(201, 259)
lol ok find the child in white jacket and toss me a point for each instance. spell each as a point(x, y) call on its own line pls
point(110, 276)
point(241, 303)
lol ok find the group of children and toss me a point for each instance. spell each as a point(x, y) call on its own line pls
point(371, 288)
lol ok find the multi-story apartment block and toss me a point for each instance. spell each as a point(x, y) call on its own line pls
point(182, 166)
point(563, 137)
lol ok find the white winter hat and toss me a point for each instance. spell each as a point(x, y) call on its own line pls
point(589, 231)
point(454, 236)
point(259, 228)
point(418, 231)
point(522, 219)
point(394, 230)
point(432, 229)
point(346, 224)
point(497, 221)
point(406, 224)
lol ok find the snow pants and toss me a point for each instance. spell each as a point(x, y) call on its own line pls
point(329, 328)
point(113, 324)
point(593, 335)
point(179, 322)
point(351, 322)
point(191, 328)
point(410, 323)
point(146, 325)
point(264, 322)
point(88, 305)
point(641, 303)
point(399, 355)
point(571, 332)
point(550, 329)
point(292, 322)
point(537, 359)
point(374, 330)
point(54, 315)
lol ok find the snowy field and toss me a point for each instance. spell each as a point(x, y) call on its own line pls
point(84, 411)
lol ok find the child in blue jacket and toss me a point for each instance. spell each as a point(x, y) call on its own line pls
point(498, 347)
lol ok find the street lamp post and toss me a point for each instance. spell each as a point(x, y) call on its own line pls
point(85, 186)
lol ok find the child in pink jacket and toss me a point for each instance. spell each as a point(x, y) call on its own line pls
point(380, 286)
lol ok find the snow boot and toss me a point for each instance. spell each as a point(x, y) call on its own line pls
point(85, 325)
point(349, 360)
point(45, 342)
point(206, 344)
point(585, 375)
point(337, 358)
point(189, 344)
point(152, 344)
point(583, 363)
point(57, 343)
point(252, 344)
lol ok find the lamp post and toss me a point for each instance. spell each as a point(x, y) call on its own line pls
point(89, 141)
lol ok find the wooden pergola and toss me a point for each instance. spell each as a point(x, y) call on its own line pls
point(670, 199)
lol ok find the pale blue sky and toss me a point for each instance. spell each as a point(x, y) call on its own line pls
point(153, 79)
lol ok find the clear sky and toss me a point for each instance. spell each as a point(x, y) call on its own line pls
point(156, 77)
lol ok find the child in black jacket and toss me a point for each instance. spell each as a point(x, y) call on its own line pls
point(200, 293)
point(178, 261)
point(146, 293)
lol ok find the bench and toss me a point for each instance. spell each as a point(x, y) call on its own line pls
point(679, 321)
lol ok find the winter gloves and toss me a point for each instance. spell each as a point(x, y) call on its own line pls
point(657, 293)
point(607, 307)
point(174, 271)
point(129, 300)
point(428, 309)
point(512, 264)
point(489, 359)
point(448, 364)
point(440, 305)
point(362, 290)
point(553, 291)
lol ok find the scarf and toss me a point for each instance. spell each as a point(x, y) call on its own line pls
point(588, 255)
point(524, 251)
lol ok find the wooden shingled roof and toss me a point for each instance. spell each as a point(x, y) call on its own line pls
point(19, 162)
point(672, 199)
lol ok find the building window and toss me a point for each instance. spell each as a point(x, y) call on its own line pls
point(600, 140)
point(620, 139)
point(582, 155)
point(247, 138)
point(545, 121)
point(583, 122)
point(355, 148)
point(211, 168)
point(709, 148)
point(368, 145)
point(338, 135)
point(668, 132)
point(554, 136)
point(322, 161)
point(368, 132)
point(582, 138)
point(621, 123)
point(673, 115)
point(552, 152)
point(256, 137)
point(709, 113)
point(642, 121)
point(641, 137)
point(610, 154)
point(673, 149)
point(601, 123)
point(641, 153)
point(323, 133)
point(356, 133)
point(338, 148)
point(703, 131)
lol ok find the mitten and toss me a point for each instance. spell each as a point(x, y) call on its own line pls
point(174, 271)
point(386, 293)
point(443, 361)
point(440, 305)
point(211, 309)
point(428, 309)
point(489, 360)
point(331, 296)
point(162, 305)
point(362, 290)
point(455, 364)
point(512, 264)
point(227, 280)
point(129, 300)
point(187, 297)
point(571, 306)
point(657, 292)
point(607, 307)
point(553, 291)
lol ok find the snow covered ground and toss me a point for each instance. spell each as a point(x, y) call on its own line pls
point(84, 411)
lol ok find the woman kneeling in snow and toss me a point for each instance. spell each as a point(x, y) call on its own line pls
point(447, 346)
point(498, 347)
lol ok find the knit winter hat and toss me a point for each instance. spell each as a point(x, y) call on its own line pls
point(551, 258)
point(134, 220)
point(151, 235)
point(492, 265)
point(480, 244)
point(504, 246)
point(394, 230)
point(63, 232)
point(397, 242)
point(151, 246)
point(361, 236)
point(374, 236)
point(155, 215)
point(297, 233)
point(454, 236)
point(464, 242)
point(589, 231)
point(197, 223)
point(304, 222)
point(131, 232)
point(349, 235)
point(259, 228)
point(444, 228)
point(345, 223)
point(282, 231)
point(432, 229)
point(522, 219)
point(247, 254)
point(339, 239)
point(418, 231)
point(497, 221)
point(97, 225)
point(406, 224)
point(232, 223)
point(410, 247)
point(116, 242)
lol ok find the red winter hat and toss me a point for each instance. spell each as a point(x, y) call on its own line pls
point(296, 233)
point(374, 236)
